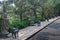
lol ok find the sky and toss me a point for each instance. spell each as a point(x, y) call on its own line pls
point(1, 0)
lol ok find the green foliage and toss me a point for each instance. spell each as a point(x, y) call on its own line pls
point(24, 23)
point(36, 19)
point(57, 8)
point(18, 23)
point(0, 23)
point(36, 9)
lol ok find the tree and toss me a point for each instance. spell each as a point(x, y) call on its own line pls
point(19, 5)
point(4, 19)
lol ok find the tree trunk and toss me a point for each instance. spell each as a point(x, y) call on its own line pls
point(35, 13)
point(21, 11)
point(4, 19)
point(42, 12)
point(34, 10)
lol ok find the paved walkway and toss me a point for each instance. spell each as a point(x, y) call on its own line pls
point(51, 32)
point(28, 31)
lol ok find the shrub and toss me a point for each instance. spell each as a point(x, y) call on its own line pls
point(0, 22)
point(36, 20)
point(18, 23)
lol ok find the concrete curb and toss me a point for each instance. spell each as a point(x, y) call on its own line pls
point(41, 29)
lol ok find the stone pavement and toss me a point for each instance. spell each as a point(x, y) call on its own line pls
point(51, 32)
point(29, 31)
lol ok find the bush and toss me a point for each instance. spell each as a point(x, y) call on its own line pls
point(24, 23)
point(0, 22)
point(36, 20)
point(18, 23)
